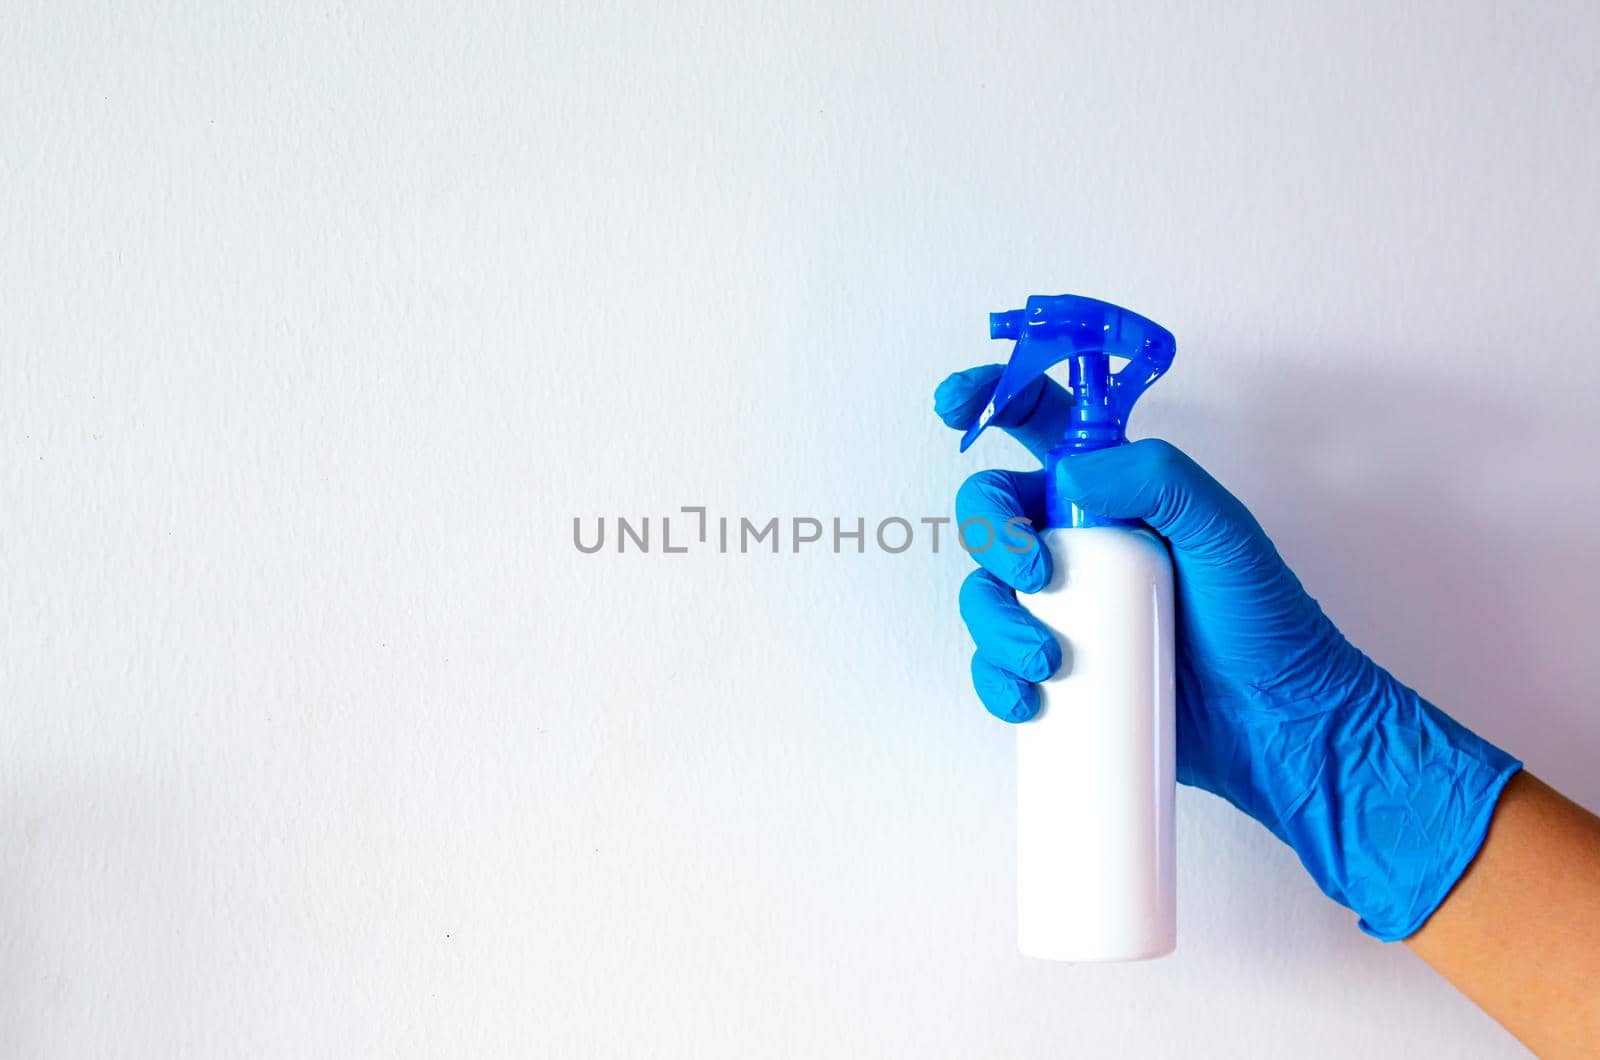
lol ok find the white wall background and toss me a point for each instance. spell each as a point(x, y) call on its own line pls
point(318, 325)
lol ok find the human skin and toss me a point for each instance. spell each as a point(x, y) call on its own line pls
point(1520, 932)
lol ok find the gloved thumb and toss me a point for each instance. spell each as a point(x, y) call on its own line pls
point(1155, 482)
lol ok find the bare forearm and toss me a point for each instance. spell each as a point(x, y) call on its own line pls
point(1520, 933)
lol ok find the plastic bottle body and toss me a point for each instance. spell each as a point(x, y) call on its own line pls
point(1096, 768)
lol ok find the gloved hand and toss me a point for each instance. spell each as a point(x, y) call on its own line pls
point(1385, 799)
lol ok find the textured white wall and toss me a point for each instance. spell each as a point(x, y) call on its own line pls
point(319, 324)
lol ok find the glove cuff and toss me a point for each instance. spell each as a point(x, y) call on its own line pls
point(1391, 829)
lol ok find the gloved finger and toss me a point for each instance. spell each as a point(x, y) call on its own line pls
point(996, 512)
point(1005, 695)
point(1154, 481)
point(1037, 417)
point(1005, 633)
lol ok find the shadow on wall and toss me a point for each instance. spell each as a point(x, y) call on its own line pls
point(1447, 529)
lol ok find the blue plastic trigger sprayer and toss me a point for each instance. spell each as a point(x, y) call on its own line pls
point(1088, 334)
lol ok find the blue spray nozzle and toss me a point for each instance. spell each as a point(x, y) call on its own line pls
point(1090, 333)
point(1007, 325)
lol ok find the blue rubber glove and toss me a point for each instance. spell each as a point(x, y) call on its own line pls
point(1385, 799)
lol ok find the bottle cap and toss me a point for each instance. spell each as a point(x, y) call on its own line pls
point(1091, 334)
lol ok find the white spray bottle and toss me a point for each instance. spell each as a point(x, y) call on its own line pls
point(1095, 767)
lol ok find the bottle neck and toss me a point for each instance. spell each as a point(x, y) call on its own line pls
point(1060, 513)
point(1092, 423)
